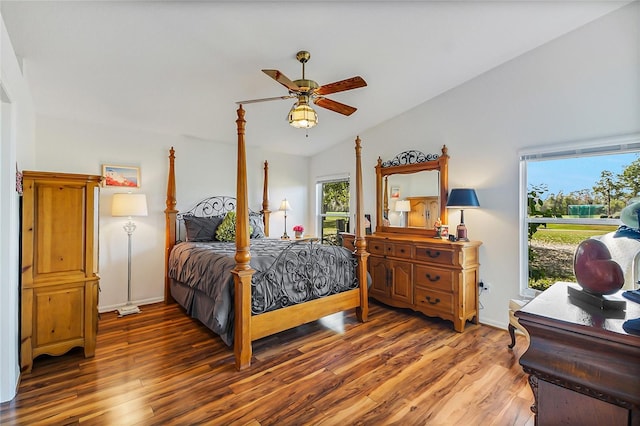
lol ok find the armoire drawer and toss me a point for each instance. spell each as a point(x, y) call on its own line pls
point(434, 300)
point(433, 278)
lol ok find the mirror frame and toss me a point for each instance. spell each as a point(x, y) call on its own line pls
point(405, 163)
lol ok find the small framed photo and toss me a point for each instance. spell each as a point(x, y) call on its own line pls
point(121, 176)
point(367, 224)
point(444, 231)
point(395, 192)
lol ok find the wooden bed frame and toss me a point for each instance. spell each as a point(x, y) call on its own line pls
point(250, 327)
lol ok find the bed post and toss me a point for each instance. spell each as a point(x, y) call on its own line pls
point(444, 172)
point(242, 271)
point(265, 199)
point(170, 225)
point(386, 197)
point(362, 311)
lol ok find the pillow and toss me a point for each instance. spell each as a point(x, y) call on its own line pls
point(257, 223)
point(201, 228)
point(227, 229)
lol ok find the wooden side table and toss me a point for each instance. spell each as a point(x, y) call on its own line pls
point(348, 240)
point(584, 368)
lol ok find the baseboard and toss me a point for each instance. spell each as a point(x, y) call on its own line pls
point(110, 308)
point(495, 324)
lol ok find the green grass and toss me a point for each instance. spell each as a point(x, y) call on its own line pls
point(330, 229)
point(570, 234)
point(544, 283)
point(563, 234)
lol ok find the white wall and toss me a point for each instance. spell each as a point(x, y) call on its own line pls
point(17, 138)
point(202, 169)
point(583, 85)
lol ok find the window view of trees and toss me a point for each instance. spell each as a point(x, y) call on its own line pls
point(558, 222)
point(334, 210)
point(335, 197)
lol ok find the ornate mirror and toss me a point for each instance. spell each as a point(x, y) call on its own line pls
point(411, 192)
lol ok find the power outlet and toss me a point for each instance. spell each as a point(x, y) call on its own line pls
point(484, 287)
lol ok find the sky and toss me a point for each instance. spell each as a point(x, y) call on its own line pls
point(574, 174)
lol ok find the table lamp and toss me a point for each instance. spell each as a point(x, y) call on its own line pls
point(285, 207)
point(462, 198)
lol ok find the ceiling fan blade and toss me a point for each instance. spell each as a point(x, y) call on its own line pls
point(341, 86)
point(334, 106)
point(282, 79)
point(275, 98)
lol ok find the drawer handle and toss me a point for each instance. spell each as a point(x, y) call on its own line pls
point(376, 247)
point(433, 279)
point(401, 250)
point(388, 248)
point(431, 254)
point(432, 303)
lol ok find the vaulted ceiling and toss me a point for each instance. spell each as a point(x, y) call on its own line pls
point(178, 67)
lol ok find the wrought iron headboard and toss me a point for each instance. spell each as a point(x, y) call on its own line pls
point(218, 205)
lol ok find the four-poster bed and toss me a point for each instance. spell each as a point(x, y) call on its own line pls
point(303, 281)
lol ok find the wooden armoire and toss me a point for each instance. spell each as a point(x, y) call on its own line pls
point(424, 213)
point(60, 282)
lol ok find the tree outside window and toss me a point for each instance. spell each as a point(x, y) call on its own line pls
point(334, 214)
point(560, 215)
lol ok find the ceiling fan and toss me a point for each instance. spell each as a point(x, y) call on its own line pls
point(305, 90)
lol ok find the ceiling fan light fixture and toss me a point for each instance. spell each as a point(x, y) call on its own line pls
point(302, 116)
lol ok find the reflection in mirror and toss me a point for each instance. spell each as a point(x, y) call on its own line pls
point(412, 192)
point(421, 190)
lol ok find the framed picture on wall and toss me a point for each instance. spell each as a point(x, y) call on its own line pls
point(395, 192)
point(121, 176)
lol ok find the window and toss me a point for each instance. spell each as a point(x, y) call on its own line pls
point(569, 193)
point(333, 208)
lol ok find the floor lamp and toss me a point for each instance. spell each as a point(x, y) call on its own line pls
point(129, 205)
point(285, 207)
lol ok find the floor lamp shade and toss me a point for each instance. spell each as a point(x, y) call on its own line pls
point(462, 198)
point(129, 205)
point(403, 206)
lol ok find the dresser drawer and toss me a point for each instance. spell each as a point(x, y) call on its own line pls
point(431, 254)
point(434, 300)
point(434, 278)
point(390, 249)
point(375, 247)
point(398, 250)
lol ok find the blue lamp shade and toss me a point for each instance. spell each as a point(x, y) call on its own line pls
point(463, 198)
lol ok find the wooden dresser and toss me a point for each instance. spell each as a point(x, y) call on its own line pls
point(436, 277)
point(59, 295)
point(584, 367)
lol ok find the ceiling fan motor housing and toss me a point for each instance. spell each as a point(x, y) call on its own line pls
point(305, 85)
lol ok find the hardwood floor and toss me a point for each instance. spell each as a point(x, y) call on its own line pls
point(161, 367)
